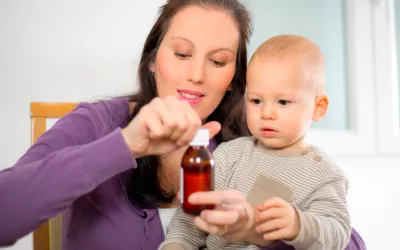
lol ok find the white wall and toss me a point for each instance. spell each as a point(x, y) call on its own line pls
point(82, 50)
point(374, 199)
point(53, 50)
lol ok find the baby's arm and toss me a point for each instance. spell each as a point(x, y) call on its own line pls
point(324, 224)
point(182, 233)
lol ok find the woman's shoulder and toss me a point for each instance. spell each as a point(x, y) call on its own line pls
point(112, 113)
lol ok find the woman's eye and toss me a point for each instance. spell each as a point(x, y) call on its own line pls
point(284, 102)
point(182, 56)
point(218, 63)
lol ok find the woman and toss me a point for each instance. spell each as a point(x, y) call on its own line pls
point(112, 167)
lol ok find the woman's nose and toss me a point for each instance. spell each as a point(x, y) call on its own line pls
point(196, 72)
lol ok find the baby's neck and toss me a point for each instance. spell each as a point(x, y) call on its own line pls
point(290, 148)
point(296, 148)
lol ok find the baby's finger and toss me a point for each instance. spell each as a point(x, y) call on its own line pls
point(273, 202)
point(269, 214)
point(271, 225)
point(277, 235)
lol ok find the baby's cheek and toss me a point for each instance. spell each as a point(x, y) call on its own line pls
point(294, 126)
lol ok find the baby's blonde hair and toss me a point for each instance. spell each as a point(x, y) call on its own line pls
point(307, 51)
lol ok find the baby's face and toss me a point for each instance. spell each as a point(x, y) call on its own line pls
point(280, 101)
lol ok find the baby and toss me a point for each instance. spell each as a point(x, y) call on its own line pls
point(298, 192)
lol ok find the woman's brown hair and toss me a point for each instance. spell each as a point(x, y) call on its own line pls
point(145, 189)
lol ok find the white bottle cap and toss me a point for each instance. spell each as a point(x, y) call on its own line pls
point(202, 138)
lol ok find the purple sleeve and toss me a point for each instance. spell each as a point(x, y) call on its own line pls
point(355, 243)
point(68, 161)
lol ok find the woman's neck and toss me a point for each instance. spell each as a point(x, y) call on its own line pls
point(173, 204)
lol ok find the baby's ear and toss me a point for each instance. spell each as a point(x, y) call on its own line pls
point(321, 107)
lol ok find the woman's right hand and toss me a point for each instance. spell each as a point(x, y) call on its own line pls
point(163, 126)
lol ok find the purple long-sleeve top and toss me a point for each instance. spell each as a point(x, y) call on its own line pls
point(81, 167)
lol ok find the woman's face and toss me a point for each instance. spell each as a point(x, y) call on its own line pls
point(196, 60)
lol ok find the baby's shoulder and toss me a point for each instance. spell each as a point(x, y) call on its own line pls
point(324, 164)
point(235, 146)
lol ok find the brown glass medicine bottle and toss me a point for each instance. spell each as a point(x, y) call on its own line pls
point(197, 172)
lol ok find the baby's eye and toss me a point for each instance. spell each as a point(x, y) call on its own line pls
point(256, 101)
point(182, 56)
point(284, 102)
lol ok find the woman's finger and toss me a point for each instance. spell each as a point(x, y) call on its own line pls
point(207, 227)
point(194, 124)
point(179, 116)
point(213, 127)
point(239, 206)
point(220, 217)
point(217, 197)
point(153, 122)
point(166, 115)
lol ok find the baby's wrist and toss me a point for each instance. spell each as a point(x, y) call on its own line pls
point(296, 226)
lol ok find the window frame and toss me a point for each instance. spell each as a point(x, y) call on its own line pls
point(359, 139)
point(387, 84)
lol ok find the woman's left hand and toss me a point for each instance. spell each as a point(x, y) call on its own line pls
point(232, 218)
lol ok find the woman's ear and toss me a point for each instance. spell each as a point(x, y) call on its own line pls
point(151, 66)
point(321, 107)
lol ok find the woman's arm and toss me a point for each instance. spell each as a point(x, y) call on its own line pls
point(82, 150)
point(68, 161)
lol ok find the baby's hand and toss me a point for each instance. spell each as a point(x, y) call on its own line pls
point(277, 220)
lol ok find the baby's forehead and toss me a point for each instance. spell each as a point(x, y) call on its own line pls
point(296, 54)
point(283, 46)
point(286, 69)
point(273, 93)
point(281, 79)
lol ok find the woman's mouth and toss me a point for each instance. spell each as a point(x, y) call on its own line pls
point(192, 97)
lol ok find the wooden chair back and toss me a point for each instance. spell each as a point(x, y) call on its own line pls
point(48, 236)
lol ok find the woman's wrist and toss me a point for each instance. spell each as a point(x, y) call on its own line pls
point(129, 144)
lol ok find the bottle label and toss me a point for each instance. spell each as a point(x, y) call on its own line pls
point(181, 186)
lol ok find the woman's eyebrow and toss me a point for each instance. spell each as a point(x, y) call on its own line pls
point(222, 49)
point(212, 52)
point(181, 38)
